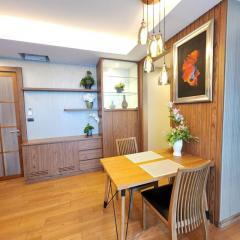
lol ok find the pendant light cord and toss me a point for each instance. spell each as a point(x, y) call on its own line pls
point(147, 30)
point(143, 14)
point(164, 28)
point(159, 25)
point(153, 17)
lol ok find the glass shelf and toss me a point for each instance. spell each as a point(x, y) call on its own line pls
point(113, 76)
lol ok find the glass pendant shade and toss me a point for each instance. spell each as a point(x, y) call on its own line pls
point(153, 47)
point(163, 78)
point(160, 44)
point(143, 34)
point(148, 65)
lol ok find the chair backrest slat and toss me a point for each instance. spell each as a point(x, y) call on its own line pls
point(126, 146)
point(187, 209)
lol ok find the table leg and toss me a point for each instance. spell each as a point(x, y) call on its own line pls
point(123, 210)
point(106, 194)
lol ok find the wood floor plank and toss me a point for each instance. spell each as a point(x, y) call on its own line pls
point(71, 209)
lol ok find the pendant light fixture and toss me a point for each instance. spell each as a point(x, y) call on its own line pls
point(153, 46)
point(148, 65)
point(143, 32)
point(163, 79)
point(159, 36)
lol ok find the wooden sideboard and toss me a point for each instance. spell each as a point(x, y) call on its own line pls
point(64, 156)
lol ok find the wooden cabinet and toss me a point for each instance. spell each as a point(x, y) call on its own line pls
point(49, 158)
point(119, 124)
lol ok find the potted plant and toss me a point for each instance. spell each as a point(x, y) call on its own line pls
point(120, 87)
point(89, 99)
point(88, 129)
point(87, 81)
point(179, 133)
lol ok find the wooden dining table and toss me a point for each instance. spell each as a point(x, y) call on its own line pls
point(125, 174)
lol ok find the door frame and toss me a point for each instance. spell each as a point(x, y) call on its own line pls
point(21, 109)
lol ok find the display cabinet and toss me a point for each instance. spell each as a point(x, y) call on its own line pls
point(120, 85)
point(120, 102)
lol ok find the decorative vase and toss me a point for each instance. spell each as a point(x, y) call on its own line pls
point(89, 133)
point(112, 106)
point(177, 148)
point(89, 105)
point(119, 90)
point(124, 102)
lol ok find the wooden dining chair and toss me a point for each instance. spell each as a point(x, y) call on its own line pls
point(126, 146)
point(129, 146)
point(181, 206)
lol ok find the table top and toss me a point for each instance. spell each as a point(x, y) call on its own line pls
point(126, 174)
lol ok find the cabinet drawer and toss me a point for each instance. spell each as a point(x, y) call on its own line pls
point(90, 154)
point(90, 144)
point(89, 165)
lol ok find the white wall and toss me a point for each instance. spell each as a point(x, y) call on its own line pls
point(156, 120)
point(49, 118)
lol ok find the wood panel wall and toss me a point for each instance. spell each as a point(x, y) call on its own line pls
point(205, 119)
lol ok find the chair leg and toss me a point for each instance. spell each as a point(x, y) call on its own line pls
point(205, 228)
point(173, 234)
point(144, 217)
point(155, 185)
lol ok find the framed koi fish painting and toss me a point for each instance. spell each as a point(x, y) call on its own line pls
point(193, 66)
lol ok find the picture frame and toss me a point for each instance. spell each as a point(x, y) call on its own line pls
point(193, 66)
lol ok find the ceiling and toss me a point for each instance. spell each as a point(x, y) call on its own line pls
point(116, 20)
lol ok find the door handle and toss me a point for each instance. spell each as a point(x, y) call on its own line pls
point(15, 131)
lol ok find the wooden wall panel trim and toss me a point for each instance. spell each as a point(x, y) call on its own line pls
point(206, 119)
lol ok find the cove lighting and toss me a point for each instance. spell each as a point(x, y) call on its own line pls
point(39, 32)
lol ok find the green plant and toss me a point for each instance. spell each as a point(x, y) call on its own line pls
point(120, 86)
point(180, 131)
point(88, 128)
point(88, 80)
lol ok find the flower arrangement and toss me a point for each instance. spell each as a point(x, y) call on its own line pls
point(88, 129)
point(88, 97)
point(87, 81)
point(120, 87)
point(180, 131)
point(94, 116)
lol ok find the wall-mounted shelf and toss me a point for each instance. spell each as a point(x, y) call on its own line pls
point(59, 90)
point(79, 109)
point(120, 94)
point(120, 109)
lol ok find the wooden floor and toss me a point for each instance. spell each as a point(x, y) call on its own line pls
point(71, 209)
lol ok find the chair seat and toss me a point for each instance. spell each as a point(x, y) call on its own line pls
point(160, 198)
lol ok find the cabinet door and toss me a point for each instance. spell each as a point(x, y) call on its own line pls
point(117, 125)
point(66, 157)
point(38, 161)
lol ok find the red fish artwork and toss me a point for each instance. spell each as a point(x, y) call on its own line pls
point(190, 72)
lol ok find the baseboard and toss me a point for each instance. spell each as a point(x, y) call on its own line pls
point(228, 221)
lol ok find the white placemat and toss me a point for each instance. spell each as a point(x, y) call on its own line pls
point(143, 157)
point(161, 168)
